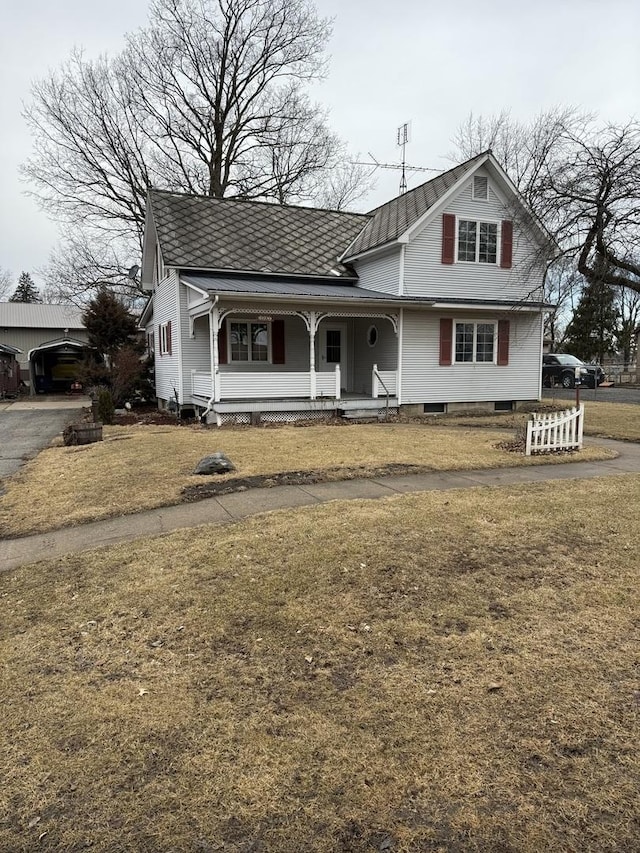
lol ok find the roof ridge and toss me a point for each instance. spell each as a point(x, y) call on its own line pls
point(252, 201)
point(437, 177)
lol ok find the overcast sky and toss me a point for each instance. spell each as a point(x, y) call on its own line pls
point(428, 62)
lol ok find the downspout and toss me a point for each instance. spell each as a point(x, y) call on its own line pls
point(211, 400)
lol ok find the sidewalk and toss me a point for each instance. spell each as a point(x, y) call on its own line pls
point(227, 509)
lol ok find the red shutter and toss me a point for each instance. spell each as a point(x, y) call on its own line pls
point(446, 341)
point(506, 253)
point(277, 342)
point(503, 342)
point(169, 350)
point(159, 340)
point(448, 238)
point(222, 343)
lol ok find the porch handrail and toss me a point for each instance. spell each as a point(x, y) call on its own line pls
point(378, 378)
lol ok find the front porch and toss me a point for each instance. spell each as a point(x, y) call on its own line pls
point(285, 363)
point(307, 394)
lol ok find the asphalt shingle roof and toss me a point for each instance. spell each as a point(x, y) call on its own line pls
point(390, 220)
point(197, 232)
point(35, 315)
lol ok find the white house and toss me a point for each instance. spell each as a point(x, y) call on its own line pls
point(430, 303)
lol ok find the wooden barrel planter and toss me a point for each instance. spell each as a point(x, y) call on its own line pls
point(85, 433)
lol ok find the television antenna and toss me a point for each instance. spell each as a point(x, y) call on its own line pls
point(403, 136)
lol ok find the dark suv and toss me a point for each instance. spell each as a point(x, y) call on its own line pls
point(560, 369)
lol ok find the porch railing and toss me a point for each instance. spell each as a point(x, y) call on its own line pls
point(240, 385)
point(383, 382)
point(201, 384)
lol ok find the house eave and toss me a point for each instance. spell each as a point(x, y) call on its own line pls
point(280, 298)
point(222, 271)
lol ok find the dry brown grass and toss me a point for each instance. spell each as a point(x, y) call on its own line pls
point(143, 467)
point(607, 420)
point(439, 672)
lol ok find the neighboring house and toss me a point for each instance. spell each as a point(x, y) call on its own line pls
point(51, 341)
point(430, 303)
point(9, 370)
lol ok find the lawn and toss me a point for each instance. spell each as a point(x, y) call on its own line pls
point(438, 672)
point(141, 467)
point(606, 420)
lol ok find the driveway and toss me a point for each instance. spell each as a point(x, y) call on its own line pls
point(28, 426)
point(619, 394)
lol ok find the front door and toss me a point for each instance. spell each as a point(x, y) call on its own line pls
point(333, 349)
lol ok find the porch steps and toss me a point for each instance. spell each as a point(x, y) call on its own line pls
point(361, 414)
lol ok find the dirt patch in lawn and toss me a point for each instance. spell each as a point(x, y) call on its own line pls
point(297, 478)
point(435, 672)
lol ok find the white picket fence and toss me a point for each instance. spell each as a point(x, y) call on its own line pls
point(555, 431)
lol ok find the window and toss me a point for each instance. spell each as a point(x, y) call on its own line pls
point(164, 333)
point(372, 336)
point(249, 342)
point(477, 241)
point(475, 342)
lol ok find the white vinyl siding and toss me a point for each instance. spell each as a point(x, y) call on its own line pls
point(380, 272)
point(426, 275)
point(384, 353)
point(424, 380)
point(165, 309)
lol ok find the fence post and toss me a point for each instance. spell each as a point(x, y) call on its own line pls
point(527, 451)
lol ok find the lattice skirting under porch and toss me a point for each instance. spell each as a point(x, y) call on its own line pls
point(282, 417)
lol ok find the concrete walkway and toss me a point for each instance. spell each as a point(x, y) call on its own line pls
point(238, 505)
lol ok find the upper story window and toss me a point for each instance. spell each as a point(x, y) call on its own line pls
point(249, 341)
point(477, 241)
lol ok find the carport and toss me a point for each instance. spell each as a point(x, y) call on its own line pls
point(9, 370)
point(54, 366)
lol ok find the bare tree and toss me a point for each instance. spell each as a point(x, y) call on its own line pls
point(6, 284)
point(628, 305)
point(207, 98)
point(580, 178)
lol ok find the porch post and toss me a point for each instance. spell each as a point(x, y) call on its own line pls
point(213, 342)
point(312, 355)
point(337, 381)
point(374, 382)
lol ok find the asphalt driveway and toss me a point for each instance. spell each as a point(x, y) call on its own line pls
point(618, 394)
point(27, 427)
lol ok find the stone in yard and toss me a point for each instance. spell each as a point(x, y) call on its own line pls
point(217, 463)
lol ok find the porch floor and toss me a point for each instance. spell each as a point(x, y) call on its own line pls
point(350, 401)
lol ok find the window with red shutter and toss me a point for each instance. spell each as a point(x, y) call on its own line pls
point(506, 252)
point(222, 343)
point(503, 342)
point(277, 342)
point(448, 238)
point(446, 340)
point(169, 350)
